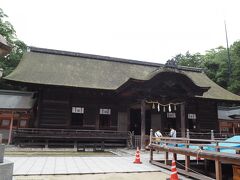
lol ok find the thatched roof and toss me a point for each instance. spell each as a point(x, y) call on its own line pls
point(61, 68)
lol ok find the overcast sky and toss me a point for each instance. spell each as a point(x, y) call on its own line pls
point(149, 30)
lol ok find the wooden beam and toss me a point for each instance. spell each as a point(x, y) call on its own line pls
point(143, 112)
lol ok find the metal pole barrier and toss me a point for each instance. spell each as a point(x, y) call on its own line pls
point(188, 135)
point(151, 135)
point(212, 135)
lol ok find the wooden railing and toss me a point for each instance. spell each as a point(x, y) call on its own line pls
point(76, 136)
point(200, 148)
point(70, 133)
point(203, 134)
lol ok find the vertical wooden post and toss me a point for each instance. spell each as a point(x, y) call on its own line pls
point(218, 170)
point(187, 158)
point(187, 163)
point(166, 156)
point(10, 129)
point(217, 148)
point(143, 109)
point(183, 120)
point(39, 109)
point(150, 142)
point(175, 154)
point(234, 132)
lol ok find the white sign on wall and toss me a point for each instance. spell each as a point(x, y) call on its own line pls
point(171, 115)
point(79, 110)
point(105, 111)
point(192, 116)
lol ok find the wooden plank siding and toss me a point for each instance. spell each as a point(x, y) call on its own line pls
point(207, 115)
point(56, 110)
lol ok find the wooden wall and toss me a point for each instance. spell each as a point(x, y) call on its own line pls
point(56, 109)
point(207, 117)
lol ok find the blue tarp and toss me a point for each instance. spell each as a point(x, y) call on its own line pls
point(209, 148)
point(226, 150)
point(232, 139)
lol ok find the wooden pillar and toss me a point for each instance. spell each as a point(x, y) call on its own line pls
point(10, 129)
point(39, 108)
point(166, 156)
point(187, 158)
point(143, 109)
point(183, 120)
point(234, 132)
point(187, 163)
point(218, 170)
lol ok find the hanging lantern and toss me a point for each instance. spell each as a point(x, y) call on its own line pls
point(169, 108)
point(158, 107)
point(164, 109)
point(153, 106)
point(175, 107)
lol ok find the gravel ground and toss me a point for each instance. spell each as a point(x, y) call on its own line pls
point(110, 176)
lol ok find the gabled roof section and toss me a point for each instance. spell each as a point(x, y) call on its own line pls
point(228, 113)
point(70, 69)
point(164, 82)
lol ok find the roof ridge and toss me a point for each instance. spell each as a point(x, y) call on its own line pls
point(109, 58)
point(228, 107)
point(92, 56)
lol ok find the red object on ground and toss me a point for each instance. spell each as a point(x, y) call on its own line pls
point(174, 174)
point(137, 158)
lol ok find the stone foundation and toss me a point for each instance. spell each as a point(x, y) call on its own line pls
point(6, 167)
point(2, 148)
point(6, 170)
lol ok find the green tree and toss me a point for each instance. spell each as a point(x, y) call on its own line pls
point(215, 64)
point(10, 62)
point(191, 60)
point(234, 85)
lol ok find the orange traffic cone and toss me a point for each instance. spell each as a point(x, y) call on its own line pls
point(137, 159)
point(174, 175)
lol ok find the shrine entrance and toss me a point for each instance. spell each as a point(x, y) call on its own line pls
point(135, 121)
point(165, 92)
